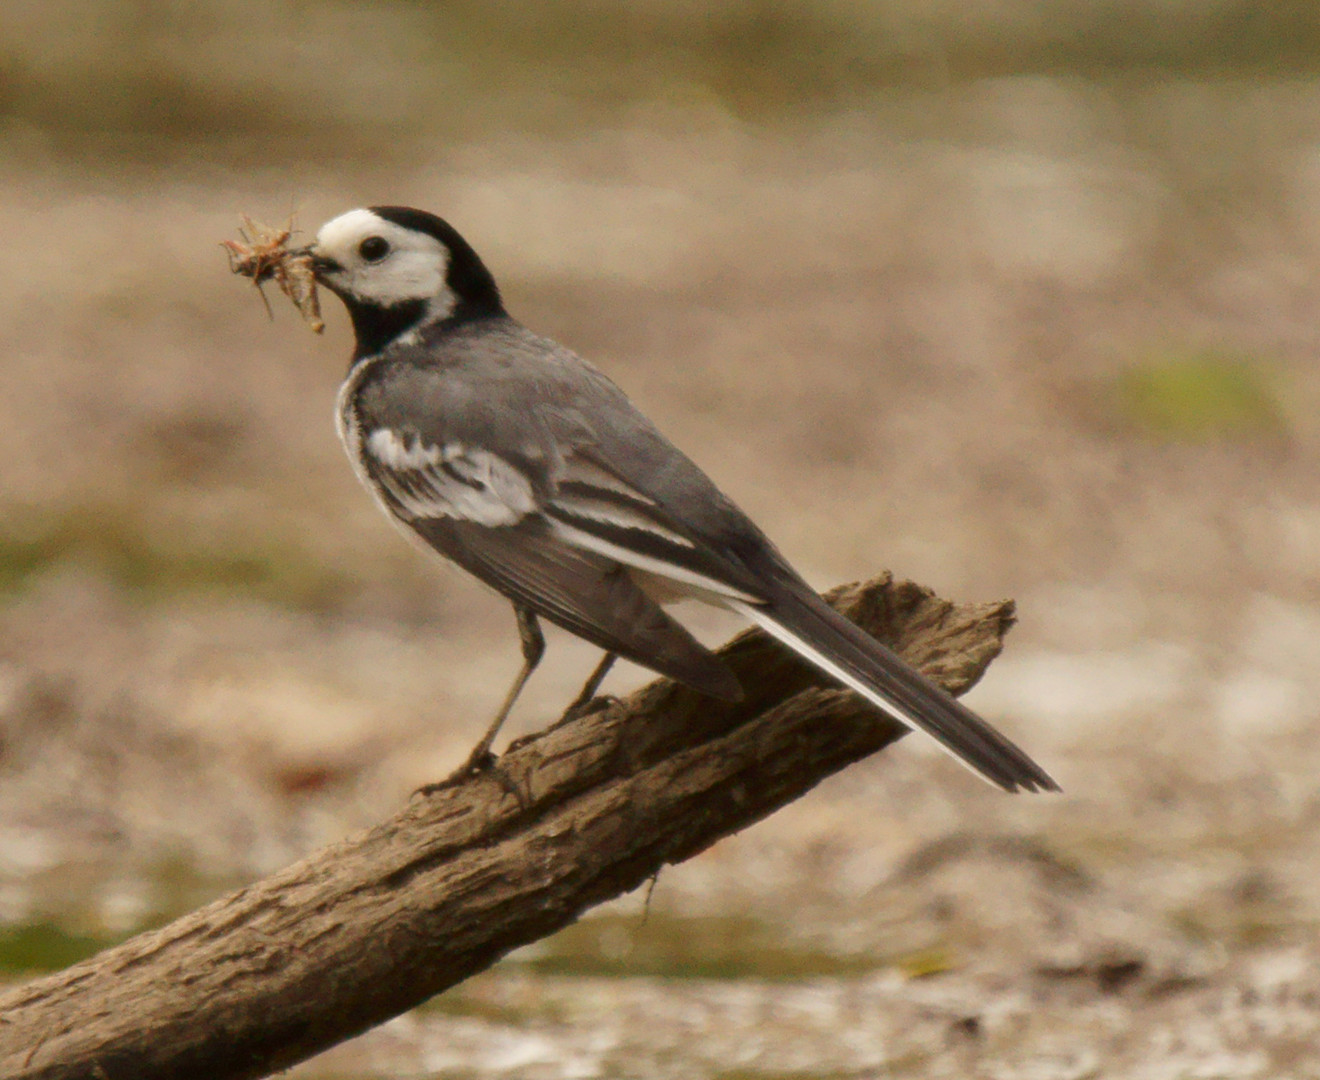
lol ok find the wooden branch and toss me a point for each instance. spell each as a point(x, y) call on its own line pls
point(372, 926)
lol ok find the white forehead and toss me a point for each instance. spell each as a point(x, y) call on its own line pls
point(347, 231)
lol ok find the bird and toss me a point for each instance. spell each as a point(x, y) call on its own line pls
point(525, 465)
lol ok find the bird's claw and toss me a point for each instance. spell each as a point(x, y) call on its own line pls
point(480, 762)
point(579, 709)
point(477, 763)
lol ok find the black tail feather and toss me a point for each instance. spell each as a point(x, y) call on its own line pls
point(808, 625)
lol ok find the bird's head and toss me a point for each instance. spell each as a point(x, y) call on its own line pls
point(398, 269)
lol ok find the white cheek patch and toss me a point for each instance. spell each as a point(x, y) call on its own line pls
point(405, 275)
point(453, 481)
point(414, 269)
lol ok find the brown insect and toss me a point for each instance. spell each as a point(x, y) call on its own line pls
point(263, 254)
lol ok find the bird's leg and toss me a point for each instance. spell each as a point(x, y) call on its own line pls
point(579, 705)
point(533, 648)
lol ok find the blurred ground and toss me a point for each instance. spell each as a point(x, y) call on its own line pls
point(1014, 301)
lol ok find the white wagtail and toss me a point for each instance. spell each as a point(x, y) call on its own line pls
point(519, 461)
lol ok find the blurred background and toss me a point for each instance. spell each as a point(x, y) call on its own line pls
point(1014, 299)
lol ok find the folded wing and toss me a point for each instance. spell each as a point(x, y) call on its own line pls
point(481, 511)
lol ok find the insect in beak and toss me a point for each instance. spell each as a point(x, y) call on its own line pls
point(264, 255)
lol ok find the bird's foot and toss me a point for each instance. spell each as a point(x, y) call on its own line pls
point(478, 762)
point(579, 709)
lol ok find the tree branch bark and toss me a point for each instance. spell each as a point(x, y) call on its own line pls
point(372, 926)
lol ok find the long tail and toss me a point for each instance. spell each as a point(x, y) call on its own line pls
point(820, 635)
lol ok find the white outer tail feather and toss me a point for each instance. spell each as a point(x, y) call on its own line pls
point(701, 587)
point(766, 621)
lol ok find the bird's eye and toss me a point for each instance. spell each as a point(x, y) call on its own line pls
point(374, 248)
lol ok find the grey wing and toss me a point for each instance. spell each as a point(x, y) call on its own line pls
point(484, 510)
point(540, 431)
point(591, 596)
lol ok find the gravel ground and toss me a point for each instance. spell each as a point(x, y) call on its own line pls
point(943, 335)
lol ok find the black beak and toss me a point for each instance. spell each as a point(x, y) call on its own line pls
point(320, 264)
